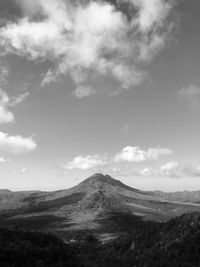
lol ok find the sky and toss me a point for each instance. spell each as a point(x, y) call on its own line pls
point(100, 86)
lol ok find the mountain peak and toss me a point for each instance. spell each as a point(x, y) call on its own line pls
point(100, 177)
point(99, 181)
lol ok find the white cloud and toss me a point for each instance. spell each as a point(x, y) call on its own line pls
point(172, 169)
point(89, 35)
point(23, 170)
point(146, 172)
point(184, 171)
point(155, 153)
point(16, 144)
point(19, 171)
point(83, 91)
point(49, 77)
point(86, 162)
point(196, 172)
point(191, 94)
point(136, 154)
point(3, 160)
point(151, 12)
point(7, 116)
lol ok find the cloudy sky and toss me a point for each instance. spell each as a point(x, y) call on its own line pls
point(107, 86)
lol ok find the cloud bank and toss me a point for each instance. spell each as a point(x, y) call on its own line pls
point(82, 37)
point(128, 154)
point(171, 169)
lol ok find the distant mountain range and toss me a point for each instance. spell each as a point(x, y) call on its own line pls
point(90, 203)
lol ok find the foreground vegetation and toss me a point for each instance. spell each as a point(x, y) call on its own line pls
point(175, 243)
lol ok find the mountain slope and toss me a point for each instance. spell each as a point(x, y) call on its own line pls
point(85, 205)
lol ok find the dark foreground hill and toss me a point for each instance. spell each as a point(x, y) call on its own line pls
point(174, 243)
point(31, 249)
point(90, 204)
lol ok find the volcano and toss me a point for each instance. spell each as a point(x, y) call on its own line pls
point(85, 205)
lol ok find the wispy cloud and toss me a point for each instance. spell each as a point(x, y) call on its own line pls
point(191, 94)
point(127, 128)
point(21, 171)
point(16, 144)
point(14, 101)
point(81, 37)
